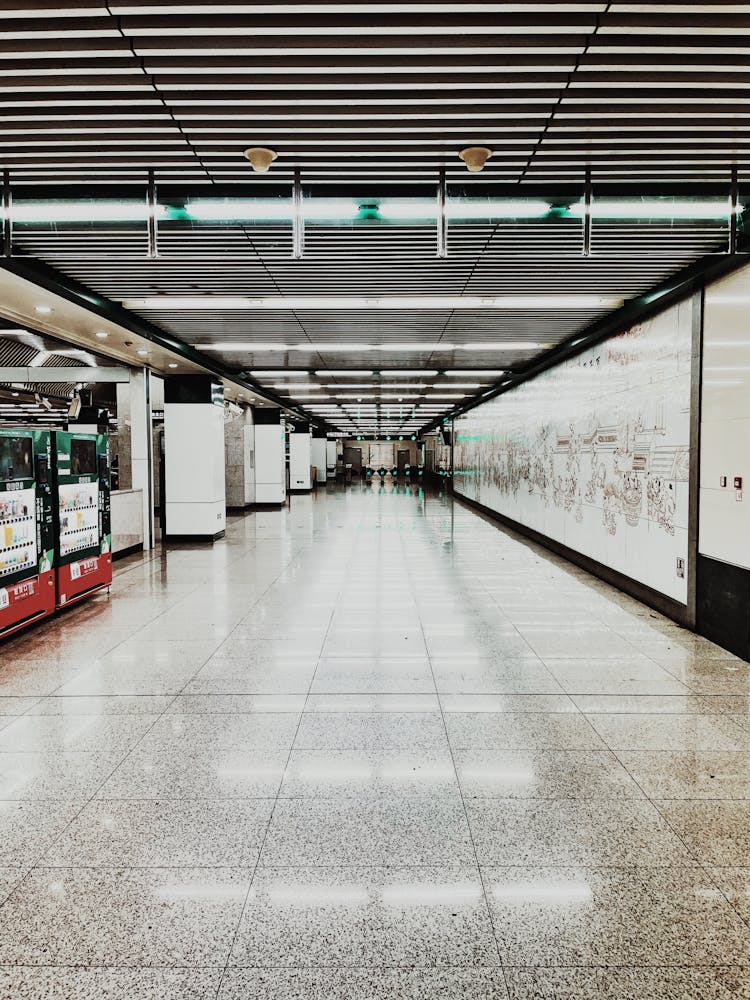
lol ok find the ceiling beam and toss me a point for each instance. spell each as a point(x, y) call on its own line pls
point(74, 373)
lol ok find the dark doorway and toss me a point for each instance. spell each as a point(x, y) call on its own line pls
point(353, 457)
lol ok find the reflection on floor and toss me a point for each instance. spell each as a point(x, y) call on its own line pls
point(371, 746)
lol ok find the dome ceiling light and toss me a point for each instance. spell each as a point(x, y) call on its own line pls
point(260, 158)
point(475, 157)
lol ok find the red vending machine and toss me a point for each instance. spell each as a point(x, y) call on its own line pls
point(83, 538)
point(27, 577)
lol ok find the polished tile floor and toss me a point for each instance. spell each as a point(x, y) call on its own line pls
point(370, 747)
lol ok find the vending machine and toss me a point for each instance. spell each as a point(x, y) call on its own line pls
point(83, 535)
point(27, 578)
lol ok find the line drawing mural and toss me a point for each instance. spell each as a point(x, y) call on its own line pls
point(595, 452)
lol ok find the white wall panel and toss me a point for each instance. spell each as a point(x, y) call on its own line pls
point(594, 453)
point(724, 520)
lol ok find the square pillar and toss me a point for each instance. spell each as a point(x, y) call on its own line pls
point(194, 472)
point(319, 454)
point(239, 452)
point(300, 459)
point(270, 456)
point(134, 444)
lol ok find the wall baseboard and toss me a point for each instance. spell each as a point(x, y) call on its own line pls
point(129, 551)
point(659, 602)
point(723, 593)
point(195, 539)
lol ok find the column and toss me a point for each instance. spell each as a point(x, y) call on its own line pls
point(270, 456)
point(239, 454)
point(194, 472)
point(300, 459)
point(319, 454)
point(134, 443)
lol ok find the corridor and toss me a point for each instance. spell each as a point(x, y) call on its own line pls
point(371, 746)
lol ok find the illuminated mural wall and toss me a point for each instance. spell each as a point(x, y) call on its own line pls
point(594, 453)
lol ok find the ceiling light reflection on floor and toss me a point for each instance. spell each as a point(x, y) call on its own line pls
point(557, 893)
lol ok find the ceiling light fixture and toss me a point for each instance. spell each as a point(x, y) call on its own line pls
point(260, 158)
point(474, 373)
point(101, 334)
point(475, 157)
point(196, 303)
point(43, 309)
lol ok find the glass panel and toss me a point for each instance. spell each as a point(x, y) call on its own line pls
point(82, 457)
point(16, 456)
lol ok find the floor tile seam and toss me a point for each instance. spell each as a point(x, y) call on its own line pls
point(59, 836)
point(273, 807)
point(294, 557)
point(389, 967)
point(38, 701)
point(628, 866)
point(27, 869)
point(488, 909)
point(704, 866)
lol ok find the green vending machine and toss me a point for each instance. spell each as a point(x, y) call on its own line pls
point(27, 577)
point(83, 534)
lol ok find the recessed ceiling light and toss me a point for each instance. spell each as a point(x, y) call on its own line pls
point(102, 334)
point(172, 364)
point(142, 352)
point(43, 309)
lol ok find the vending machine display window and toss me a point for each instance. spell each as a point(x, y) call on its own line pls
point(79, 518)
point(82, 457)
point(16, 458)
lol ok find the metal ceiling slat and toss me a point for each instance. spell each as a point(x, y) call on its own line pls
point(379, 94)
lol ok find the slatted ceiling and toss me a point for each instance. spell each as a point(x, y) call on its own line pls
point(368, 326)
point(164, 70)
point(383, 94)
point(16, 352)
point(677, 239)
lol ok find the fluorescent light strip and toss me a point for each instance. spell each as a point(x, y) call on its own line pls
point(352, 373)
point(654, 209)
point(295, 386)
point(410, 348)
point(284, 373)
point(197, 303)
point(474, 372)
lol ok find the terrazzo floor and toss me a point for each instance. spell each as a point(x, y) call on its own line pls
point(371, 746)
